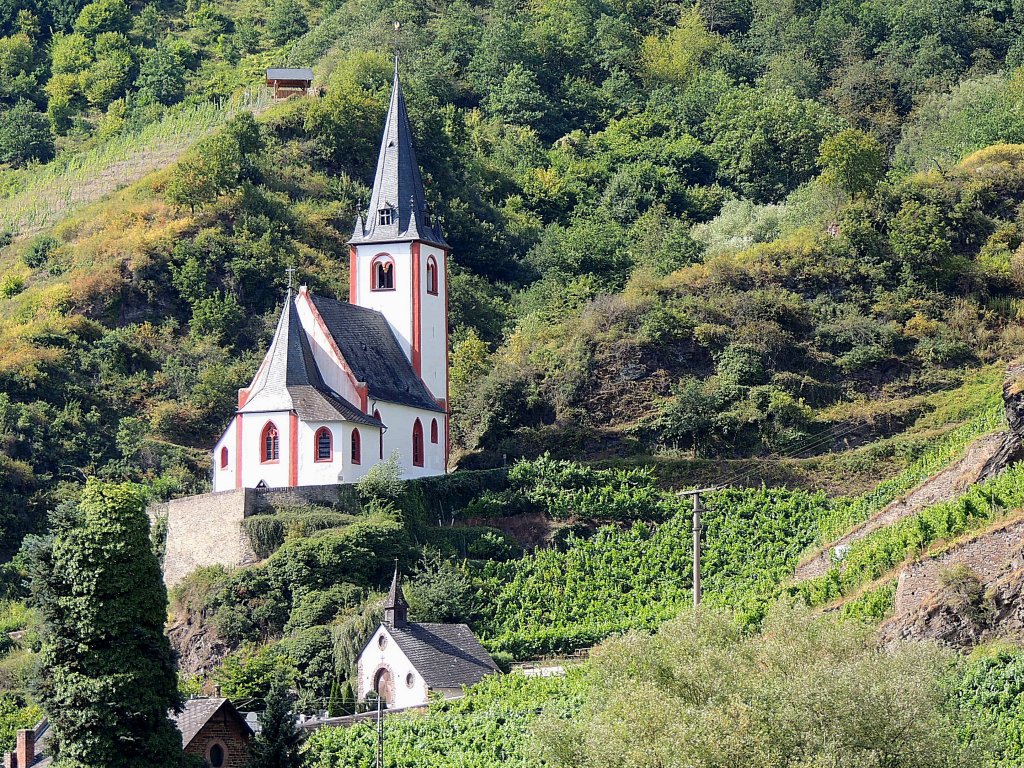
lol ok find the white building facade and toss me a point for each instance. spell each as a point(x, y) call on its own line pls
point(346, 385)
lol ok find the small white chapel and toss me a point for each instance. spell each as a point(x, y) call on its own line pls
point(405, 662)
point(344, 385)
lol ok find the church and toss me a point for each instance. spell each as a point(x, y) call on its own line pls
point(405, 662)
point(345, 385)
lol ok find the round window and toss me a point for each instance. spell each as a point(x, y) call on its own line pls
point(217, 756)
point(382, 642)
point(410, 680)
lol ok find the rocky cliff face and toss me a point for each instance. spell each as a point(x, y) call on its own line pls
point(1012, 449)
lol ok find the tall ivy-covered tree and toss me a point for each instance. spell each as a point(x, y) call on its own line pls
point(107, 676)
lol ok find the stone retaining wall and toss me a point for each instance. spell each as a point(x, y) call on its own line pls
point(208, 529)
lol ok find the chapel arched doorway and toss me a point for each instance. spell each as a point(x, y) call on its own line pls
point(384, 686)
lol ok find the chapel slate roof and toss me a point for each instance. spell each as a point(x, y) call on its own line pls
point(198, 712)
point(289, 378)
point(371, 350)
point(445, 655)
point(397, 185)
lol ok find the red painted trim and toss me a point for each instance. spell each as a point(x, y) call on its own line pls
point(238, 451)
point(364, 397)
point(417, 312)
point(293, 448)
point(380, 432)
point(352, 286)
point(316, 446)
point(243, 395)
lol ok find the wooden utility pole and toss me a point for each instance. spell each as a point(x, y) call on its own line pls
point(698, 509)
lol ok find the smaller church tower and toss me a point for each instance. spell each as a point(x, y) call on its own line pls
point(396, 609)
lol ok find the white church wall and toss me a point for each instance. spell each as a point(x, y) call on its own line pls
point(224, 476)
point(340, 469)
point(433, 325)
point(377, 656)
point(395, 305)
point(276, 473)
point(399, 420)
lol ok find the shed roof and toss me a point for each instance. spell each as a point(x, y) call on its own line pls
point(445, 655)
point(198, 712)
point(286, 73)
point(371, 350)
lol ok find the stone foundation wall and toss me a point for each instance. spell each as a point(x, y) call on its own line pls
point(208, 529)
point(991, 556)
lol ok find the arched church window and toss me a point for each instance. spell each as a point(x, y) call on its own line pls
point(224, 457)
point(382, 271)
point(433, 431)
point(417, 444)
point(385, 217)
point(323, 441)
point(432, 275)
point(270, 443)
point(380, 434)
point(357, 447)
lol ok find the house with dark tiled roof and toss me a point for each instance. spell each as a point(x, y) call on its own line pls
point(212, 729)
point(404, 662)
point(345, 385)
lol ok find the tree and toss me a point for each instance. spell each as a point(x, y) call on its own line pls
point(766, 140)
point(162, 74)
point(286, 21)
point(806, 692)
point(25, 135)
point(852, 161)
point(103, 16)
point(107, 674)
point(277, 743)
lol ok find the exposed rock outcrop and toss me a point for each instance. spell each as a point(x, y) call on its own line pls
point(1012, 449)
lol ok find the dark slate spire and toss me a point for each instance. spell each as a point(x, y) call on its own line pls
point(398, 208)
point(396, 610)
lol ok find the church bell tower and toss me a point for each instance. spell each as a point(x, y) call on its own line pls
point(399, 257)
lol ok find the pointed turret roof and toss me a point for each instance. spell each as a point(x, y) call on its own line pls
point(396, 609)
point(397, 185)
point(288, 378)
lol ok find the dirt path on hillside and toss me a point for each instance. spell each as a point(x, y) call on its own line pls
point(943, 486)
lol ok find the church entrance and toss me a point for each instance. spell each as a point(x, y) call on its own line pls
point(384, 686)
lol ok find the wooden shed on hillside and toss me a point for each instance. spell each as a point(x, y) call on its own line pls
point(289, 82)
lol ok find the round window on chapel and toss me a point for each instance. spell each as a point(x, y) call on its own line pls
point(410, 680)
point(217, 756)
point(382, 642)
